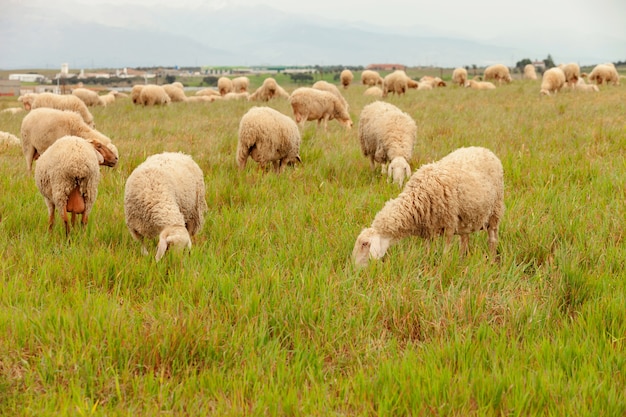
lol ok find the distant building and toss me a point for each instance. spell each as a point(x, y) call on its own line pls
point(27, 78)
point(385, 67)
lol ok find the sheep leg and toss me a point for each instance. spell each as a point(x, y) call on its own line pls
point(65, 220)
point(493, 239)
point(50, 215)
point(464, 242)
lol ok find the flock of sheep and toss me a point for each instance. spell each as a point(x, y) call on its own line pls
point(164, 196)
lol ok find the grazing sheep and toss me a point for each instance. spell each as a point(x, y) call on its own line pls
point(371, 78)
point(313, 104)
point(89, 97)
point(397, 82)
point(153, 95)
point(8, 140)
point(165, 197)
point(27, 100)
point(203, 98)
point(387, 136)
point(42, 127)
point(331, 88)
point(236, 96)
point(268, 136)
point(374, 92)
point(241, 84)
point(433, 81)
point(572, 73)
point(588, 88)
point(268, 90)
point(480, 85)
point(108, 98)
point(529, 72)
point(135, 92)
point(63, 102)
point(459, 76)
point(208, 92)
point(346, 78)
point(497, 72)
point(12, 110)
point(604, 73)
point(175, 92)
point(552, 81)
point(224, 85)
point(460, 194)
point(67, 175)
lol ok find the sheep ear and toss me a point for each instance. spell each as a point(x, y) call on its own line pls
point(161, 248)
point(407, 170)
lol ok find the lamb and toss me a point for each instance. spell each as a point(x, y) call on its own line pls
point(62, 102)
point(8, 140)
point(480, 85)
point(268, 90)
point(604, 73)
point(460, 194)
point(67, 176)
point(374, 92)
point(396, 82)
point(459, 76)
point(582, 86)
point(331, 88)
point(175, 92)
point(165, 197)
point(241, 84)
point(572, 73)
point(313, 104)
point(268, 136)
point(153, 95)
point(552, 81)
point(497, 72)
point(346, 78)
point(387, 136)
point(371, 78)
point(89, 97)
point(529, 72)
point(224, 85)
point(42, 127)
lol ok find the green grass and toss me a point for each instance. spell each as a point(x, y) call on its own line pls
point(267, 316)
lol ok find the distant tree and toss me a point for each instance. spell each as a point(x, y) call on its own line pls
point(300, 78)
point(521, 64)
point(549, 62)
point(169, 78)
point(210, 80)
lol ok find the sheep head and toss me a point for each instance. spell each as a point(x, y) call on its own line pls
point(398, 169)
point(369, 244)
point(175, 238)
point(107, 155)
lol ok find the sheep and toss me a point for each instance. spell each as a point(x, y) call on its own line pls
point(236, 96)
point(135, 92)
point(331, 88)
point(241, 84)
point(387, 136)
point(268, 90)
point(582, 86)
point(604, 73)
point(89, 97)
point(459, 76)
point(396, 82)
point(224, 85)
point(27, 100)
point(63, 102)
point(529, 72)
point(433, 81)
point(8, 140)
point(153, 95)
point(497, 72)
point(12, 110)
point(203, 98)
point(572, 73)
point(346, 78)
point(552, 81)
point(460, 194)
point(42, 127)
point(374, 92)
point(108, 98)
point(268, 136)
point(480, 85)
point(67, 176)
point(313, 104)
point(175, 92)
point(371, 78)
point(164, 197)
point(208, 92)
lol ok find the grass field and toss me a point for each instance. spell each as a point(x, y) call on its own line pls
point(267, 315)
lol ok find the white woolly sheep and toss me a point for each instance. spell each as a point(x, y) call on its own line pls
point(346, 78)
point(387, 136)
point(552, 81)
point(108, 98)
point(604, 73)
point(397, 82)
point(208, 92)
point(480, 85)
point(63, 102)
point(8, 140)
point(175, 92)
point(67, 175)
point(165, 197)
point(268, 136)
point(12, 110)
point(203, 98)
point(241, 84)
point(236, 96)
point(374, 92)
point(460, 194)
point(42, 127)
point(588, 88)
point(224, 85)
point(89, 97)
point(135, 92)
point(331, 88)
point(433, 81)
point(313, 104)
point(459, 76)
point(153, 95)
point(371, 78)
point(572, 73)
point(529, 72)
point(27, 100)
point(268, 90)
point(497, 72)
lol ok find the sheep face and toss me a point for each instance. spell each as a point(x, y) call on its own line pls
point(398, 170)
point(107, 155)
point(175, 238)
point(368, 245)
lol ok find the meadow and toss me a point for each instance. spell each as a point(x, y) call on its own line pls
point(267, 315)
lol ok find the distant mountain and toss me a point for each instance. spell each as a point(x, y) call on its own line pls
point(133, 36)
